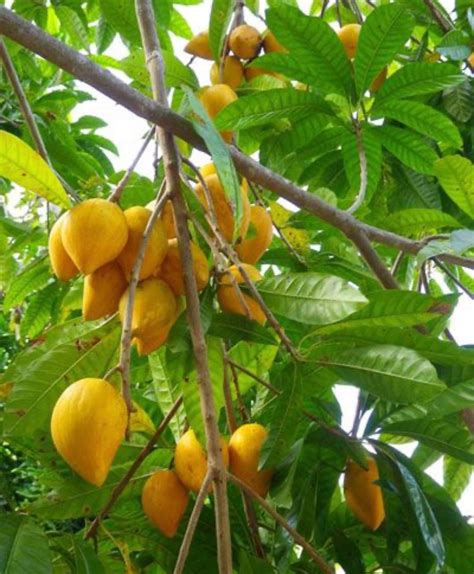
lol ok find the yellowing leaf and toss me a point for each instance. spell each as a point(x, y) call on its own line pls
point(297, 238)
point(22, 165)
point(140, 421)
point(5, 389)
point(280, 214)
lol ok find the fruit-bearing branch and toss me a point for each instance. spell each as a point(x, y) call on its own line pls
point(171, 163)
point(79, 66)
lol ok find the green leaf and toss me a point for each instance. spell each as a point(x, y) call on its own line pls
point(251, 565)
point(86, 560)
point(422, 118)
point(382, 36)
point(458, 101)
point(391, 373)
point(220, 156)
point(258, 359)
point(179, 25)
point(236, 328)
point(23, 547)
point(456, 476)
point(104, 35)
point(120, 14)
point(456, 176)
point(417, 79)
point(438, 434)
point(418, 221)
point(456, 45)
point(310, 298)
point(348, 554)
point(313, 45)
point(263, 107)
point(32, 278)
point(408, 147)
point(221, 14)
point(74, 26)
point(22, 165)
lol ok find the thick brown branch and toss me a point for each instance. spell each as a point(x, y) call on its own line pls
point(146, 450)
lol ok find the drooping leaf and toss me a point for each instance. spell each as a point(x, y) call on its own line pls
point(221, 14)
point(236, 328)
point(456, 175)
point(456, 476)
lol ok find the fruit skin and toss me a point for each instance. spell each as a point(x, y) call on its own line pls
point(245, 41)
point(362, 496)
point(250, 250)
point(233, 72)
point(167, 219)
point(349, 35)
point(271, 44)
point(222, 207)
point(199, 46)
point(164, 501)
point(207, 169)
point(102, 291)
point(137, 218)
point(88, 425)
point(171, 269)
point(190, 460)
point(94, 233)
point(63, 266)
point(216, 98)
point(379, 81)
point(154, 313)
point(230, 300)
point(245, 446)
point(470, 60)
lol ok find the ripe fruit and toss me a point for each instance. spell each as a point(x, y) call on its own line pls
point(245, 446)
point(167, 219)
point(229, 298)
point(245, 41)
point(199, 46)
point(88, 424)
point(271, 44)
point(63, 266)
point(379, 80)
point(222, 207)
point(216, 98)
point(102, 291)
point(207, 169)
point(349, 34)
point(137, 219)
point(364, 497)
point(171, 269)
point(164, 501)
point(250, 250)
point(190, 460)
point(233, 72)
point(470, 60)
point(94, 233)
point(154, 312)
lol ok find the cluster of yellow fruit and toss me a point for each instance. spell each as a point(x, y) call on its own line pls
point(100, 240)
point(245, 43)
point(363, 496)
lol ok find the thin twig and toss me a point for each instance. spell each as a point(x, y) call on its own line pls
point(146, 450)
point(323, 8)
point(445, 25)
point(193, 522)
point(235, 378)
point(229, 411)
point(453, 277)
point(116, 194)
point(397, 263)
point(312, 553)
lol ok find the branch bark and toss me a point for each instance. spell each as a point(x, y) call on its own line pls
point(80, 67)
point(171, 163)
point(440, 19)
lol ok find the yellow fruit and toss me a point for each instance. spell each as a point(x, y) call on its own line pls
point(470, 60)
point(190, 460)
point(207, 169)
point(250, 250)
point(154, 312)
point(364, 497)
point(137, 219)
point(164, 501)
point(271, 44)
point(349, 34)
point(167, 218)
point(222, 207)
point(88, 424)
point(94, 233)
point(379, 80)
point(245, 446)
point(102, 291)
point(245, 41)
point(230, 300)
point(233, 72)
point(171, 269)
point(146, 344)
point(199, 46)
point(63, 266)
point(216, 98)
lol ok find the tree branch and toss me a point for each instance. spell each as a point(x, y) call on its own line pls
point(171, 162)
point(315, 556)
point(359, 200)
point(445, 25)
point(146, 450)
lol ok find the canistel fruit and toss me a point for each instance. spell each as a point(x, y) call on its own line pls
point(229, 298)
point(245, 41)
point(271, 44)
point(63, 266)
point(245, 446)
point(94, 233)
point(250, 250)
point(87, 426)
point(216, 98)
point(164, 501)
point(102, 291)
point(364, 497)
point(349, 35)
point(190, 460)
point(199, 46)
point(232, 73)
point(171, 269)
